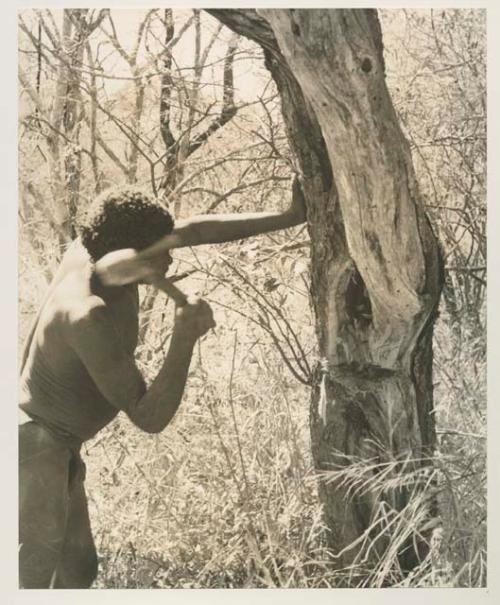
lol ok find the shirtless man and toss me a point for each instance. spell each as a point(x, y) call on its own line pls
point(79, 371)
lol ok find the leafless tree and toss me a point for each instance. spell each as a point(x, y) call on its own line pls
point(375, 266)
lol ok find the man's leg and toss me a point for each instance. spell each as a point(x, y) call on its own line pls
point(77, 567)
point(43, 494)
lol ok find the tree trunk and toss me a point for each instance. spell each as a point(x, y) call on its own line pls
point(66, 119)
point(72, 115)
point(375, 272)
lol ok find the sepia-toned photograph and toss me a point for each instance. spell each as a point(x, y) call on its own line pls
point(252, 298)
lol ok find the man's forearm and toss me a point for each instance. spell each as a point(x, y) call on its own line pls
point(209, 229)
point(159, 404)
point(216, 229)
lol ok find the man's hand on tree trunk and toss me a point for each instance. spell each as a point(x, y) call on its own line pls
point(297, 209)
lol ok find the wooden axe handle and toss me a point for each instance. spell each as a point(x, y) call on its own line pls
point(165, 285)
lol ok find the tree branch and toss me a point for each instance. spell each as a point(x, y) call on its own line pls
point(229, 109)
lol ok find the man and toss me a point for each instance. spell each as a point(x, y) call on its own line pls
point(78, 369)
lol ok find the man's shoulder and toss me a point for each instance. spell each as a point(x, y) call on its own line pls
point(74, 302)
point(86, 312)
point(88, 323)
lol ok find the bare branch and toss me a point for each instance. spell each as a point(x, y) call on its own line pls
point(93, 24)
point(43, 206)
point(239, 188)
point(23, 27)
point(116, 43)
point(167, 83)
point(229, 109)
point(140, 33)
point(54, 33)
point(32, 93)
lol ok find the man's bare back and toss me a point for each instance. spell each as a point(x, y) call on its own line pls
point(56, 387)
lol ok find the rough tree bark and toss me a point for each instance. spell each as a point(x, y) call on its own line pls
point(376, 273)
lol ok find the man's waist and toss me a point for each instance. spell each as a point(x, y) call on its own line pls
point(68, 438)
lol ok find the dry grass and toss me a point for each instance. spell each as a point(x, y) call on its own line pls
point(221, 499)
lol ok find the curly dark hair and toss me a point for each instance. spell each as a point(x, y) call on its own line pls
point(124, 217)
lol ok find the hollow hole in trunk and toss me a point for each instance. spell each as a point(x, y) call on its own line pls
point(357, 301)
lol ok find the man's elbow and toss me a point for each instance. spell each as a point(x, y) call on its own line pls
point(149, 426)
point(152, 429)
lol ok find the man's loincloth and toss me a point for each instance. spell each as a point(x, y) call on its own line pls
point(50, 469)
point(54, 526)
point(36, 435)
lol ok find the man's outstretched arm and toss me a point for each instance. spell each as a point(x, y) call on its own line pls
point(124, 266)
point(215, 229)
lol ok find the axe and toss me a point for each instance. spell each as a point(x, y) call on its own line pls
point(165, 285)
point(115, 271)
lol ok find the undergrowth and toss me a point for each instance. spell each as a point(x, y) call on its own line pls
point(227, 496)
